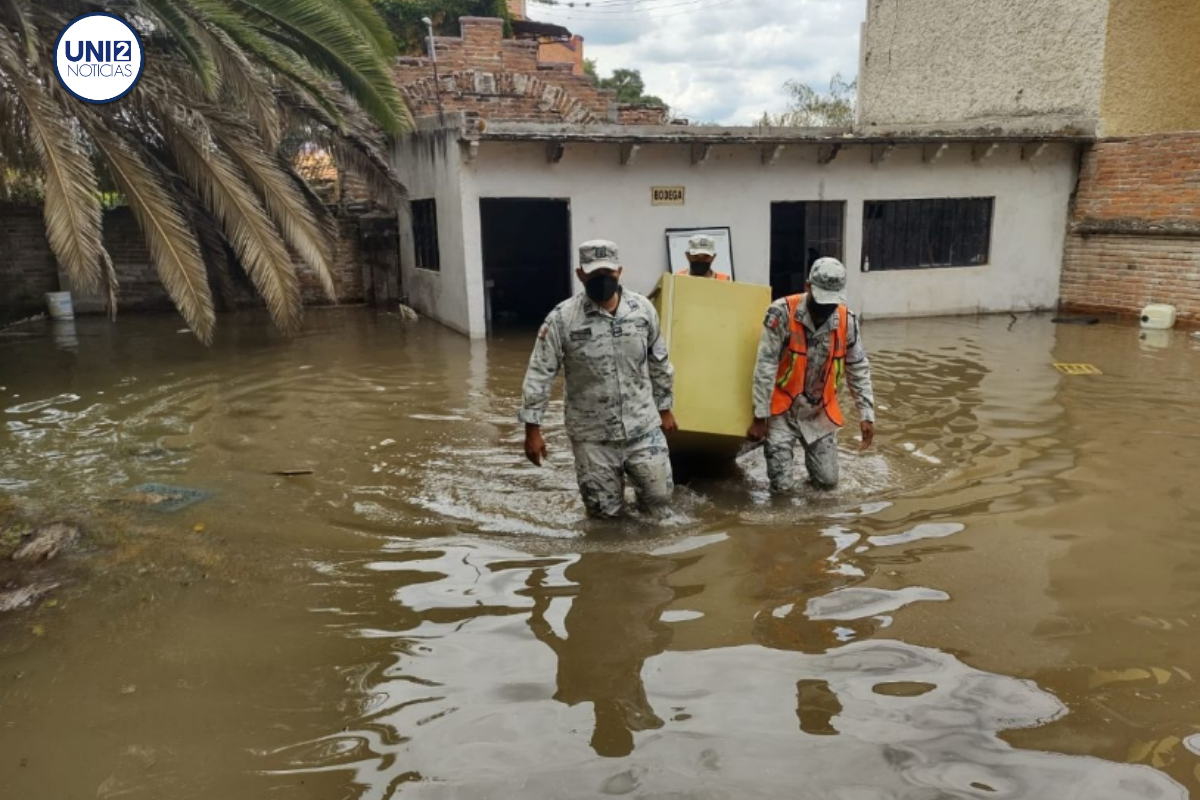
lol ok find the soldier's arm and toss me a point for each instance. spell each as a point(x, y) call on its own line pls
point(858, 372)
point(544, 366)
point(770, 345)
point(662, 371)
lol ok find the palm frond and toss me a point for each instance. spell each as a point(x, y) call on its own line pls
point(72, 208)
point(111, 285)
point(362, 14)
point(172, 242)
point(247, 227)
point(354, 142)
point(215, 16)
point(316, 31)
point(245, 82)
point(18, 12)
point(285, 204)
point(173, 19)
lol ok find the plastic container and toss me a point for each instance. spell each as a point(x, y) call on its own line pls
point(58, 304)
point(1158, 317)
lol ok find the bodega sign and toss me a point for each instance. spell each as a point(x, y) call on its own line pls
point(98, 58)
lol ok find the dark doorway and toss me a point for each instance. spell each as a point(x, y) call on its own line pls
point(800, 234)
point(526, 259)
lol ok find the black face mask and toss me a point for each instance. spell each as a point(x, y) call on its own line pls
point(819, 311)
point(601, 288)
point(699, 267)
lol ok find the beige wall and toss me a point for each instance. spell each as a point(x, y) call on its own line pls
point(987, 62)
point(1152, 67)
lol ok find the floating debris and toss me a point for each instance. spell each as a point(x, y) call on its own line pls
point(46, 542)
point(163, 498)
point(15, 598)
point(1077, 369)
point(291, 473)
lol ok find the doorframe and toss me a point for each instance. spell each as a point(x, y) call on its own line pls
point(571, 250)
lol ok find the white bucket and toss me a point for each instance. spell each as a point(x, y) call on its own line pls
point(59, 305)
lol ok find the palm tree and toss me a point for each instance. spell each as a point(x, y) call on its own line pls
point(201, 149)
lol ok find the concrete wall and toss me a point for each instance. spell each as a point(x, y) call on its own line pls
point(735, 188)
point(428, 163)
point(984, 61)
point(1152, 67)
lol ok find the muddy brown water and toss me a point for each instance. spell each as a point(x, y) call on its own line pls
point(999, 602)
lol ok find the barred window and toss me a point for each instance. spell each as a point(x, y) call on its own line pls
point(425, 234)
point(923, 234)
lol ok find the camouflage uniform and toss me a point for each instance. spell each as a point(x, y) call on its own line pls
point(807, 420)
point(618, 379)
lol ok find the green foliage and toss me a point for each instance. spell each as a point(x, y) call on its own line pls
point(627, 83)
point(403, 19)
point(808, 108)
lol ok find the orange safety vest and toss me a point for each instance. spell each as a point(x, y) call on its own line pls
point(720, 276)
point(793, 365)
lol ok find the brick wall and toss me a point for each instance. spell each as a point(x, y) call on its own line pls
point(499, 78)
point(1135, 227)
point(28, 268)
point(1138, 184)
point(641, 114)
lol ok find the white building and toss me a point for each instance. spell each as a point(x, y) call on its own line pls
point(926, 224)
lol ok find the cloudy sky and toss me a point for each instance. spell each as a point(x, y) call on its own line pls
point(717, 60)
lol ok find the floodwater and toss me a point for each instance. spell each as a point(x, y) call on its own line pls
point(1001, 601)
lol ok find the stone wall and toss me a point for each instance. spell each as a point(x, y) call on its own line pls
point(1135, 227)
point(499, 78)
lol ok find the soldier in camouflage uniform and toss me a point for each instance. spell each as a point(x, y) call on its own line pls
point(820, 330)
point(619, 384)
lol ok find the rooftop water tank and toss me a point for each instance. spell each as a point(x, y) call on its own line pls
point(1158, 317)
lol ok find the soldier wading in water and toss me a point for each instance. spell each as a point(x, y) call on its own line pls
point(619, 383)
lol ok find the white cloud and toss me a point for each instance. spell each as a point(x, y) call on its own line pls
point(718, 60)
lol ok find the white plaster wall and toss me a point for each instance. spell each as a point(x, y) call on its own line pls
point(429, 164)
point(735, 188)
point(931, 61)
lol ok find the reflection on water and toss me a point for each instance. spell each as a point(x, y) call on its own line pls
point(998, 601)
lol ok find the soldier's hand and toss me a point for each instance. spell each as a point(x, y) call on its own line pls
point(535, 445)
point(868, 434)
point(669, 425)
point(757, 431)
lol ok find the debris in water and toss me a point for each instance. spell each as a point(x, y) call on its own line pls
point(291, 473)
point(1076, 320)
point(12, 598)
point(199, 527)
point(165, 499)
point(46, 542)
point(1077, 369)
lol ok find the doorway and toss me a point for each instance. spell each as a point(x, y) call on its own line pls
point(526, 259)
point(800, 234)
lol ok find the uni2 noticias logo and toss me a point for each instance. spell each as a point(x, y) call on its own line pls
point(98, 58)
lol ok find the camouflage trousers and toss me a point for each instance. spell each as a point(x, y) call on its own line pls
point(601, 467)
point(820, 457)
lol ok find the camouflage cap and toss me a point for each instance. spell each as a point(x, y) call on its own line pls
point(702, 245)
point(598, 254)
point(828, 280)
